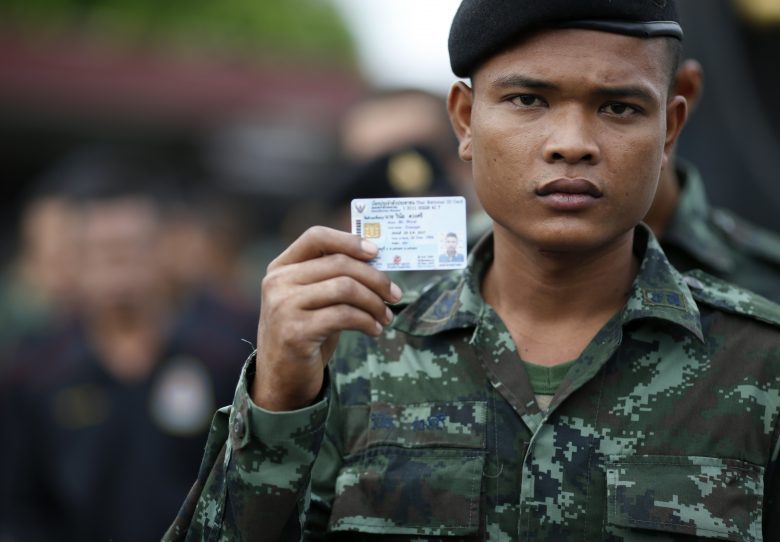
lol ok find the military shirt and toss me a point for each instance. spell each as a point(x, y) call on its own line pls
point(664, 428)
point(719, 242)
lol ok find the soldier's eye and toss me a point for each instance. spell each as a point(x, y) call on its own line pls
point(619, 109)
point(528, 100)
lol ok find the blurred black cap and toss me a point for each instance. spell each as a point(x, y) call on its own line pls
point(410, 171)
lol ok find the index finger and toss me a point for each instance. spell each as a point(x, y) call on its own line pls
point(319, 241)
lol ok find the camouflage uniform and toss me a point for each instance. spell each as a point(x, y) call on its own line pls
point(665, 428)
point(721, 243)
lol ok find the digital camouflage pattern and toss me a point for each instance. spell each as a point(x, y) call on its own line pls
point(665, 428)
point(719, 242)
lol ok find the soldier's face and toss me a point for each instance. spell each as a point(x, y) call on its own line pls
point(567, 132)
point(120, 268)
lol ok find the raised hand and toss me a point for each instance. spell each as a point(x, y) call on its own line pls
point(318, 287)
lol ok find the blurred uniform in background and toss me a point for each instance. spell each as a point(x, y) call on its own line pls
point(734, 137)
point(695, 235)
point(106, 416)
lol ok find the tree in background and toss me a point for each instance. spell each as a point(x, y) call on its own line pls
point(245, 27)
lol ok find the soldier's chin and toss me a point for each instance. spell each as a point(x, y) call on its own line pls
point(573, 243)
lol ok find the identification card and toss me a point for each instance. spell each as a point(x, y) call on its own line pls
point(413, 234)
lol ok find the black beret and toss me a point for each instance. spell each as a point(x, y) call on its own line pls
point(482, 28)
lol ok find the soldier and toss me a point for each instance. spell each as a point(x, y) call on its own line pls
point(697, 236)
point(570, 384)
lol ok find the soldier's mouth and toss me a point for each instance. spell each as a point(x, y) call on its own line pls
point(567, 194)
point(567, 185)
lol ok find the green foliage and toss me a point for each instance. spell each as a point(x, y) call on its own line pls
point(305, 27)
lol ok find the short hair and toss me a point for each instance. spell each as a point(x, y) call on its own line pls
point(451, 234)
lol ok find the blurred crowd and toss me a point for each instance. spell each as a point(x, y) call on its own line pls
point(131, 298)
point(123, 333)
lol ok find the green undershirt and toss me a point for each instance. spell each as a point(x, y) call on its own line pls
point(545, 381)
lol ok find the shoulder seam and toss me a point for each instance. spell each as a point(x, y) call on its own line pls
point(704, 288)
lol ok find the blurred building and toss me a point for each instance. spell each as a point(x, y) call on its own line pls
point(251, 90)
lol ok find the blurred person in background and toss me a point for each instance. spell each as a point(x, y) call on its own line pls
point(201, 249)
point(37, 288)
point(107, 416)
point(734, 137)
point(695, 235)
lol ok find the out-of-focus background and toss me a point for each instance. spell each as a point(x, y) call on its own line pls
point(155, 156)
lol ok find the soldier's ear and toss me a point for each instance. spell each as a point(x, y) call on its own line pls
point(689, 82)
point(676, 115)
point(459, 103)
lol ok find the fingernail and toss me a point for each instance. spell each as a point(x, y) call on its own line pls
point(368, 247)
point(395, 291)
point(388, 315)
point(379, 327)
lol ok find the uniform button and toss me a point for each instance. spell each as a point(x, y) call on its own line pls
point(238, 425)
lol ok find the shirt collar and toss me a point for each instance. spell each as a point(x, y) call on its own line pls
point(659, 290)
point(690, 228)
point(455, 302)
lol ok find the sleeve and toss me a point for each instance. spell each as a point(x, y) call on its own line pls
point(254, 480)
point(325, 471)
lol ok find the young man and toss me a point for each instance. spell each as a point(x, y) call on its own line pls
point(570, 385)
